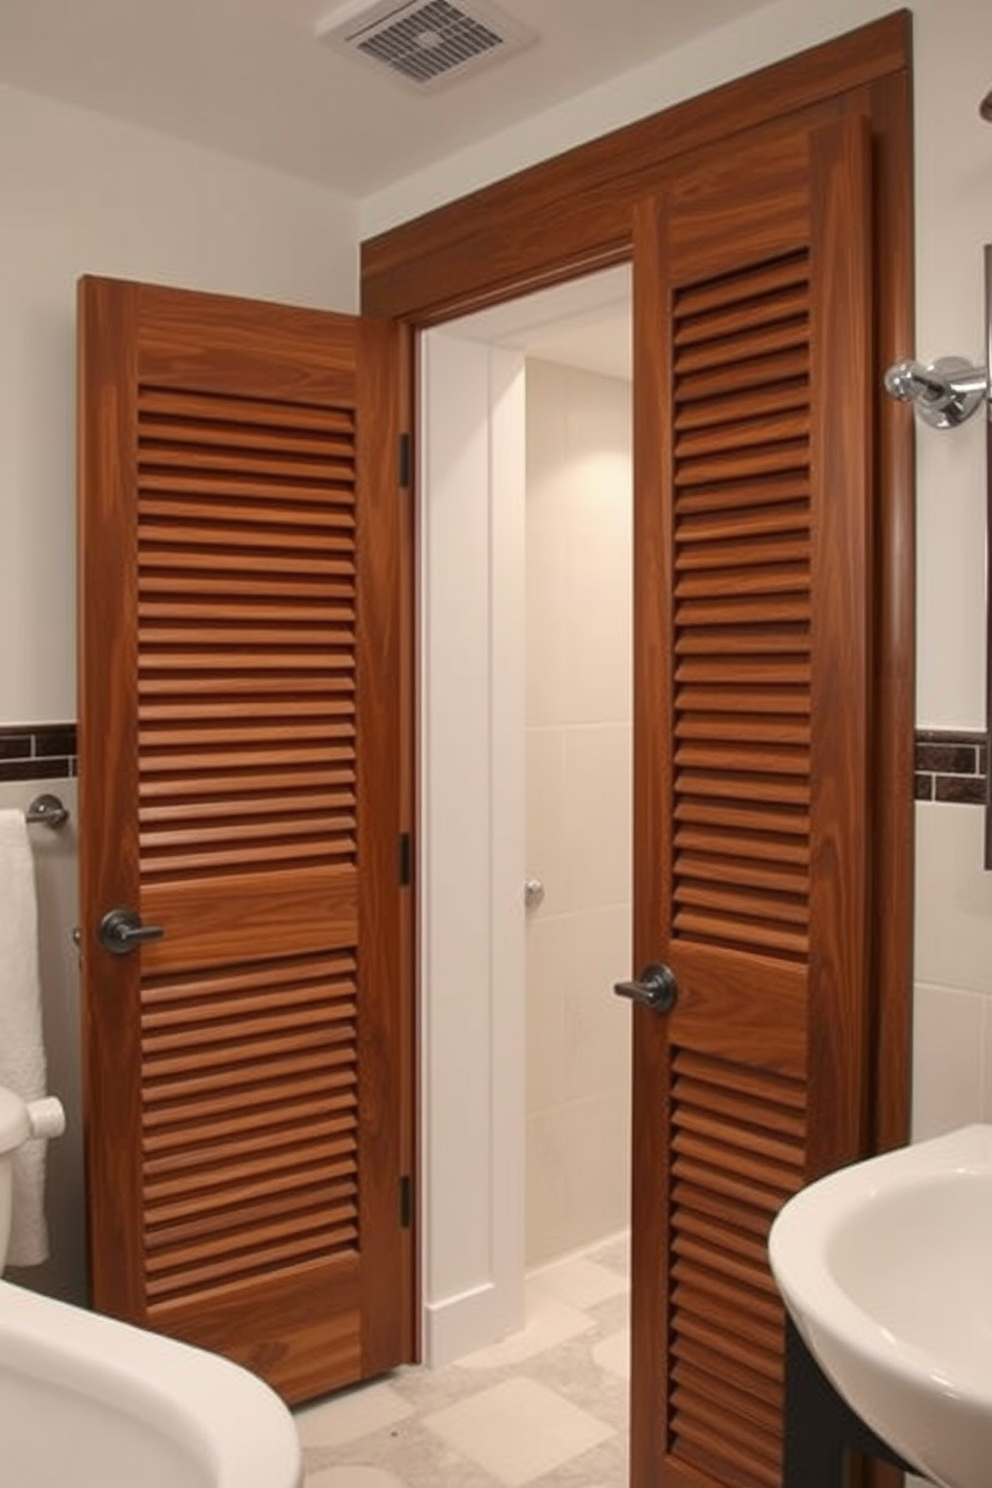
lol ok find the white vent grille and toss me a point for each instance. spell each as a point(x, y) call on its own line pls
point(425, 43)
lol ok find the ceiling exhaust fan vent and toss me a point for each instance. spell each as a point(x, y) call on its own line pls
point(425, 43)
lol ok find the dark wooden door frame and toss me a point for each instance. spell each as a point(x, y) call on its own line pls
point(575, 213)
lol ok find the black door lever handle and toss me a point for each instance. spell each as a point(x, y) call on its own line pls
point(657, 988)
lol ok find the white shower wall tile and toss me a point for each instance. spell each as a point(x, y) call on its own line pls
point(547, 954)
point(953, 912)
point(597, 827)
point(546, 851)
point(596, 1023)
point(950, 1063)
point(597, 605)
point(579, 561)
point(546, 606)
point(578, 1187)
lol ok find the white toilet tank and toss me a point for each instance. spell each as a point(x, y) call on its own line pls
point(20, 1121)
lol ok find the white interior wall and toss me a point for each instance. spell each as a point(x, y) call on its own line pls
point(471, 842)
point(578, 811)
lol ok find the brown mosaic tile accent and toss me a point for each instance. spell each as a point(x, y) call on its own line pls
point(951, 766)
point(37, 751)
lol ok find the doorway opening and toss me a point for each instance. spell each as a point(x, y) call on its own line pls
point(525, 724)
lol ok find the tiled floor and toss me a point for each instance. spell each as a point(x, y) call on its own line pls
point(546, 1408)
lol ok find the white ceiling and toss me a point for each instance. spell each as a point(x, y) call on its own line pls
point(585, 323)
point(250, 78)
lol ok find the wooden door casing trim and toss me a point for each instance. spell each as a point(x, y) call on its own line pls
point(572, 214)
point(577, 212)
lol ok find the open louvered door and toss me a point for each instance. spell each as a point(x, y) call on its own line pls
point(245, 1075)
point(752, 574)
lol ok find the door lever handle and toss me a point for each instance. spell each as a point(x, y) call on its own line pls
point(657, 988)
point(121, 932)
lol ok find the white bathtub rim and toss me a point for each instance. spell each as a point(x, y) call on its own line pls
point(222, 1415)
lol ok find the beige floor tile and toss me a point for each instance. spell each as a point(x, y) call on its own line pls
point(353, 1477)
point(576, 1281)
point(549, 1323)
point(613, 1354)
point(518, 1430)
point(351, 1414)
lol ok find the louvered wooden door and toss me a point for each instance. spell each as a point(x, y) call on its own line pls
point(245, 1075)
point(753, 572)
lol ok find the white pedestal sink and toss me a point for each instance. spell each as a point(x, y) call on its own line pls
point(886, 1269)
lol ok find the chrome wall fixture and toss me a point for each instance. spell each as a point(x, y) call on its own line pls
point(48, 810)
point(949, 390)
point(944, 393)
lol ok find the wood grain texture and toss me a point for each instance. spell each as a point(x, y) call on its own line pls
point(841, 449)
point(893, 684)
point(108, 777)
point(575, 212)
point(257, 587)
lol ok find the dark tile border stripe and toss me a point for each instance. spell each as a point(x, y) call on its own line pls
point(37, 751)
point(951, 766)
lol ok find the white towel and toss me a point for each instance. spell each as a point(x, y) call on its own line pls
point(22, 1049)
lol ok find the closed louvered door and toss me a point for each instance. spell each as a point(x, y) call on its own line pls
point(753, 573)
point(240, 789)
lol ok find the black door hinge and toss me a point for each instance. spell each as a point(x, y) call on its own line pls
point(406, 1202)
point(406, 860)
point(406, 460)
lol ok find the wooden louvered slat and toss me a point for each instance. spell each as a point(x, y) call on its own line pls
point(181, 1222)
point(242, 1164)
point(165, 542)
point(767, 425)
point(218, 1169)
point(742, 622)
point(734, 525)
point(737, 407)
point(212, 583)
point(738, 1151)
point(751, 1406)
point(187, 406)
point(740, 313)
point(198, 512)
point(751, 282)
point(246, 514)
point(756, 347)
point(788, 366)
point(776, 488)
point(784, 578)
point(244, 459)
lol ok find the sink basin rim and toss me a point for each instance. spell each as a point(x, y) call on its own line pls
point(799, 1244)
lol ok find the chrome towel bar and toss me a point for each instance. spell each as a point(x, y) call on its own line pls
point(48, 811)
